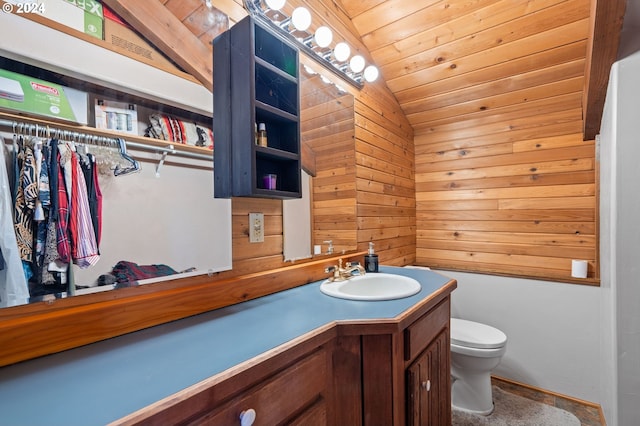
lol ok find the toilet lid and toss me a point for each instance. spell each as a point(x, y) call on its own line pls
point(476, 335)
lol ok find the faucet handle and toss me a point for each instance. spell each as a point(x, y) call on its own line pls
point(330, 248)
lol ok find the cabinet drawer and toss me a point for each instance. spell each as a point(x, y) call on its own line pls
point(280, 397)
point(419, 334)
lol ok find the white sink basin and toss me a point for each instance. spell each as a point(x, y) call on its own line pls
point(372, 286)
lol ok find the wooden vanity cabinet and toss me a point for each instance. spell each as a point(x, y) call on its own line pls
point(428, 376)
point(383, 372)
point(291, 385)
point(294, 395)
point(429, 385)
point(405, 373)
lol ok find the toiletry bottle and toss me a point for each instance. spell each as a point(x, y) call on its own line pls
point(371, 260)
point(255, 134)
point(262, 134)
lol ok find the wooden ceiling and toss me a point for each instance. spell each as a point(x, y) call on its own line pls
point(446, 61)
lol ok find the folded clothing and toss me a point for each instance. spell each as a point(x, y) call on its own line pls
point(128, 271)
point(165, 127)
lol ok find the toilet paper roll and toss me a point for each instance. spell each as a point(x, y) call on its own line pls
point(579, 268)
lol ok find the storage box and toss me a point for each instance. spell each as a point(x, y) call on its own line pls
point(119, 116)
point(124, 40)
point(41, 98)
point(85, 16)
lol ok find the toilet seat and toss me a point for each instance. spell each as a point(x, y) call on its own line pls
point(476, 335)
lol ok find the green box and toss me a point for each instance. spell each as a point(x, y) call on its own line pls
point(93, 16)
point(41, 98)
point(85, 16)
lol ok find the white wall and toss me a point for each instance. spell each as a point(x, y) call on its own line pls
point(552, 328)
point(171, 218)
point(620, 234)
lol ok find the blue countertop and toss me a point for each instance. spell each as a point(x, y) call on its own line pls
point(102, 382)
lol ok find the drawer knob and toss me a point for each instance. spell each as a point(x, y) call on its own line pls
point(427, 385)
point(247, 417)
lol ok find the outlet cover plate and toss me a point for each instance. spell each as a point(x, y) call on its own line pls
point(256, 227)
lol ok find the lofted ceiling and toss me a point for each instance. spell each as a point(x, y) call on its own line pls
point(445, 61)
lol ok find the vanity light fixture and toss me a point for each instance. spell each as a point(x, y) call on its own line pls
point(323, 36)
point(301, 18)
point(356, 64)
point(316, 44)
point(341, 52)
point(371, 73)
point(275, 4)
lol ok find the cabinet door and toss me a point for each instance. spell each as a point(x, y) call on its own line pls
point(429, 385)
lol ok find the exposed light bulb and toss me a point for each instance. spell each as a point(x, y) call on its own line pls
point(356, 63)
point(323, 36)
point(301, 18)
point(275, 4)
point(371, 73)
point(342, 51)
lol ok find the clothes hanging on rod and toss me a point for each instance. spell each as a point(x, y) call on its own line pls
point(57, 212)
point(13, 285)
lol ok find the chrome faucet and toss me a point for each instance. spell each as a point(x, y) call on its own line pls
point(342, 274)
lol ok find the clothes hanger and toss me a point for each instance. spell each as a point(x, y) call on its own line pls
point(133, 165)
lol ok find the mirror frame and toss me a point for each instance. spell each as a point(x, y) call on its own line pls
point(26, 331)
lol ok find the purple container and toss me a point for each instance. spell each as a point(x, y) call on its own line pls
point(269, 181)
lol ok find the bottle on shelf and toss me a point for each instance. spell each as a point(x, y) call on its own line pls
point(255, 134)
point(262, 134)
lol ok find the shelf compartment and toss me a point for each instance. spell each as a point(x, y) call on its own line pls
point(274, 51)
point(275, 90)
point(282, 133)
point(286, 170)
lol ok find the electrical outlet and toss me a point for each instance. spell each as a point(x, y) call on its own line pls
point(256, 227)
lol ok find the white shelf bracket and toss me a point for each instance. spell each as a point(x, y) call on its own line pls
point(165, 152)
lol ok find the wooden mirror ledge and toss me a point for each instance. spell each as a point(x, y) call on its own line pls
point(43, 328)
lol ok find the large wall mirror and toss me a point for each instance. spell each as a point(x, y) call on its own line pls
point(326, 211)
point(171, 218)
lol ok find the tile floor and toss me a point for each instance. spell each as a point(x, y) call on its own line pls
point(588, 416)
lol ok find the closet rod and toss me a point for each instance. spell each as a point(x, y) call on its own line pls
point(30, 127)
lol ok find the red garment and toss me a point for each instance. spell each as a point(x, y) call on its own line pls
point(84, 250)
point(62, 225)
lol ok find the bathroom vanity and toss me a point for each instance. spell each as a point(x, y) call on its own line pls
point(295, 357)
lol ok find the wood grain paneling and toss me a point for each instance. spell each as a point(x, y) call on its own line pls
point(493, 90)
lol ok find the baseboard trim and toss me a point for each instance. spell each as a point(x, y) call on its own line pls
point(554, 394)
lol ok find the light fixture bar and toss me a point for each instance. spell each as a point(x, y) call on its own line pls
point(326, 59)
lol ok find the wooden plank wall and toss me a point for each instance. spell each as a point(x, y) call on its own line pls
point(384, 156)
point(386, 203)
point(327, 128)
point(504, 181)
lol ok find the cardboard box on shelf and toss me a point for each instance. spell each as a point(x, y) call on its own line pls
point(125, 40)
point(37, 97)
point(119, 116)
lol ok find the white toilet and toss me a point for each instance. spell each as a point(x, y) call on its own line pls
point(476, 349)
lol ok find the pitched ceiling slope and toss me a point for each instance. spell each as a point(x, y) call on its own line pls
point(450, 61)
point(445, 61)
